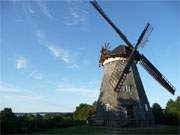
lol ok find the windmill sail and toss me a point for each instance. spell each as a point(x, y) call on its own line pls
point(113, 81)
point(144, 35)
point(124, 73)
point(102, 13)
point(152, 70)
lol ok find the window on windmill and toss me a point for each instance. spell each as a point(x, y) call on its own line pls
point(130, 88)
point(125, 112)
point(107, 107)
point(124, 88)
point(146, 107)
point(127, 88)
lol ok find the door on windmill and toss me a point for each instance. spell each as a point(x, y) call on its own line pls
point(129, 111)
point(107, 107)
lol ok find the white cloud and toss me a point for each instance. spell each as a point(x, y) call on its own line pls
point(31, 10)
point(21, 62)
point(40, 34)
point(94, 82)
point(54, 49)
point(72, 19)
point(19, 20)
point(63, 54)
point(26, 100)
point(69, 57)
point(6, 88)
point(85, 92)
point(85, 62)
point(44, 9)
point(76, 14)
point(66, 56)
point(36, 75)
point(73, 66)
point(27, 97)
point(11, 91)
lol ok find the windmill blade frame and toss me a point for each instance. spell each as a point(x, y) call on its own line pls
point(153, 71)
point(144, 35)
point(130, 59)
point(103, 14)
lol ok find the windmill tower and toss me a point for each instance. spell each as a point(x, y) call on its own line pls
point(129, 103)
point(122, 99)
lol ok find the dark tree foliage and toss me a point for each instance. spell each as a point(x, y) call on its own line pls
point(94, 103)
point(158, 113)
point(172, 112)
point(169, 116)
point(10, 123)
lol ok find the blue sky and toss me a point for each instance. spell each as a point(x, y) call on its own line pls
point(50, 50)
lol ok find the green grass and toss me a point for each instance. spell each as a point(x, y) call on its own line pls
point(87, 130)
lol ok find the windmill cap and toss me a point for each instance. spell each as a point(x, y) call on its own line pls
point(120, 51)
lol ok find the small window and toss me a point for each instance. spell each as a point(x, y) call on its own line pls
point(123, 88)
point(146, 107)
point(107, 107)
point(130, 88)
point(127, 88)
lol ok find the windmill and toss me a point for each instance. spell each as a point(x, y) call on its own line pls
point(122, 97)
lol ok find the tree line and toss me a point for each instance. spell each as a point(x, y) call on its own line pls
point(168, 116)
point(10, 123)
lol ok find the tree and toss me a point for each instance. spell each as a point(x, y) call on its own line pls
point(84, 111)
point(94, 103)
point(172, 111)
point(158, 113)
point(173, 107)
point(7, 114)
point(178, 106)
point(9, 122)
